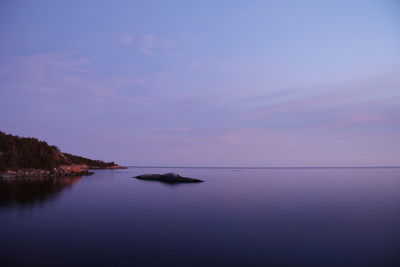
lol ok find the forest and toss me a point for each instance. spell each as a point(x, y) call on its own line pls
point(30, 153)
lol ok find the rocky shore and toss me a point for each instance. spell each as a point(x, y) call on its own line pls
point(71, 170)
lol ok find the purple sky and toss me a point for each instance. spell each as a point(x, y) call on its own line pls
point(205, 83)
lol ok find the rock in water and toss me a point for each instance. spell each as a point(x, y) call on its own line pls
point(171, 178)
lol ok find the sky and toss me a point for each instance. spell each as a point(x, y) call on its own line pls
point(205, 83)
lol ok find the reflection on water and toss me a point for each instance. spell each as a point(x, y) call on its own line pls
point(251, 217)
point(168, 184)
point(26, 192)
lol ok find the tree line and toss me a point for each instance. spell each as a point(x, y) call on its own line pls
point(30, 153)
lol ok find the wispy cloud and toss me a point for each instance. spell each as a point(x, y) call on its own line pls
point(175, 129)
point(151, 44)
point(126, 81)
point(169, 44)
point(196, 65)
point(64, 76)
point(147, 44)
point(367, 103)
point(127, 39)
point(357, 118)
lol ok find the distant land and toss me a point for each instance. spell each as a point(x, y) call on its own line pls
point(27, 156)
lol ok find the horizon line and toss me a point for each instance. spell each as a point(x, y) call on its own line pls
point(278, 167)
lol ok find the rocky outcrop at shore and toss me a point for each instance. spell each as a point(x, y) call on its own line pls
point(71, 170)
point(171, 178)
point(26, 156)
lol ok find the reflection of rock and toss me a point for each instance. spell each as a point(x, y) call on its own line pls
point(168, 178)
point(26, 191)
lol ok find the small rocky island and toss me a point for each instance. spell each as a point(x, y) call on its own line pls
point(170, 178)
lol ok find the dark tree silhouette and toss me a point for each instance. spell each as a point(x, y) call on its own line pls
point(30, 153)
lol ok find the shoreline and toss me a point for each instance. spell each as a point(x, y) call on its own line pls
point(69, 170)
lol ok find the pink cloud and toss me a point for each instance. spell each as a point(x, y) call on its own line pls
point(359, 118)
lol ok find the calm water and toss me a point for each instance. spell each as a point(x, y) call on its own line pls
point(238, 217)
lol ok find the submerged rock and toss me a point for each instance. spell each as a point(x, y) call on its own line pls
point(168, 178)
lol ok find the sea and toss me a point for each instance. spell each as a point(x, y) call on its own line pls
point(236, 217)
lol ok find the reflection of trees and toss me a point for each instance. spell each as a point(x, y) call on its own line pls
point(28, 191)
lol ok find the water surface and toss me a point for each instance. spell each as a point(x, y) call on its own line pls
point(237, 217)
